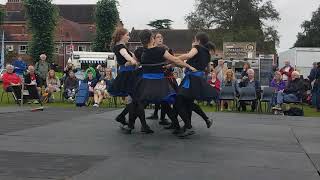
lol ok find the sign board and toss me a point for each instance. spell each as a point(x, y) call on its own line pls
point(239, 50)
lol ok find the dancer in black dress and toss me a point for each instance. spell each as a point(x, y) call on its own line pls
point(153, 87)
point(125, 81)
point(194, 86)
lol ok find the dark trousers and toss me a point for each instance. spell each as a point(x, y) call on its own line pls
point(136, 109)
point(184, 108)
point(162, 112)
point(253, 105)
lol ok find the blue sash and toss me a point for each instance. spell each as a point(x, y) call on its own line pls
point(153, 76)
point(188, 73)
point(124, 68)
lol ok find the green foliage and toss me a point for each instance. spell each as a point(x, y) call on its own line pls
point(107, 18)
point(2, 14)
point(239, 20)
point(42, 18)
point(310, 37)
point(161, 24)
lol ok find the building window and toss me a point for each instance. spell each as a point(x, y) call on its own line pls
point(23, 49)
point(69, 49)
point(9, 48)
point(82, 48)
point(57, 49)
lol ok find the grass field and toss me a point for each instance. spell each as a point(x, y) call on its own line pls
point(309, 112)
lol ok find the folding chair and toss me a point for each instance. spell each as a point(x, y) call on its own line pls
point(267, 96)
point(227, 93)
point(247, 94)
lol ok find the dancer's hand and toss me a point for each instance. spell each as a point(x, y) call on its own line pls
point(193, 69)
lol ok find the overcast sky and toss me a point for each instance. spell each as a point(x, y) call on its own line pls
point(137, 13)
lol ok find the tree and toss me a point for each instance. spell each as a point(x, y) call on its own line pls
point(107, 18)
point(161, 24)
point(42, 17)
point(240, 20)
point(310, 37)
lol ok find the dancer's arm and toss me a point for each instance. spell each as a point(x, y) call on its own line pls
point(189, 55)
point(177, 61)
point(126, 55)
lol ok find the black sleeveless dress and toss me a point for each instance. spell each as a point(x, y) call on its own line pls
point(153, 86)
point(124, 83)
point(194, 85)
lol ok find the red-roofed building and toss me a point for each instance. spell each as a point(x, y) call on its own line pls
point(75, 27)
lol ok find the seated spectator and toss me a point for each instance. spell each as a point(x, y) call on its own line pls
point(244, 73)
point(53, 84)
point(71, 86)
point(33, 82)
point(277, 84)
point(293, 91)
point(229, 80)
point(286, 71)
point(19, 66)
point(175, 75)
point(69, 67)
point(11, 79)
point(99, 92)
point(315, 77)
point(93, 72)
point(100, 72)
point(108, 77)
point(91, 83)
point(250, 82)
point(215, 83)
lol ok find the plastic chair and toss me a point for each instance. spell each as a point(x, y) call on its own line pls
point(228, 93)
point(247, 94)
point(267, 96)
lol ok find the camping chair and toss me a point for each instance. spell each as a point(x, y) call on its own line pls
point(247, 94)
point(4, 92)
point(298, 102)
point(227, 93)
point(267, 96)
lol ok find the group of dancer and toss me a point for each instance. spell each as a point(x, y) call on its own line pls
point(145, 77)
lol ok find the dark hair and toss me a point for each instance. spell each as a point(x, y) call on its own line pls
point(145, 37)
point(210, 46)
point(203, 38)
point(318, 64)
point(117, 35)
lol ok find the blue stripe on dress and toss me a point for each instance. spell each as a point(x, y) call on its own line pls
point(189, 73)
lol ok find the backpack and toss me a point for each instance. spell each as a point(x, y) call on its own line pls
point(294, 111)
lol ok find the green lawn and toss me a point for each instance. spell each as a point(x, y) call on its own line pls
point(309, 112)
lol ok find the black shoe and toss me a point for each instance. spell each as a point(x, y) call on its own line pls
point(209, 122)
point(122, 120)
point(178, 131)
point(126, 129)
point(153, 117)
point(186, 133)
point(164, 122)
point(147, 130)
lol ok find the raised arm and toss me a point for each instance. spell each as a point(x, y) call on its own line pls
point(177, 61)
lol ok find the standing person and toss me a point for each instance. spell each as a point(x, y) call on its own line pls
point(53, 84)
point(316, 87)
point(311, 77)
point(286, 71)
point(229, 81)
point(194, 86)
point(42, 69)
point(19, 66)
point(244, 73)
point(153, 87)
point(221, 70)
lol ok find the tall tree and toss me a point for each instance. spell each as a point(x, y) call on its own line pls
point(42, 18)
point(107, 18)
point(241, 20)
point(310, 37)
point(161, 24)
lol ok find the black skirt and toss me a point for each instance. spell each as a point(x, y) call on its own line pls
point(124, 84)
point(154, 91)
point(199, 89)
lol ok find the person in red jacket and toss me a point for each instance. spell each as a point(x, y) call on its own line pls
point(10, 79)
point(286, 71)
